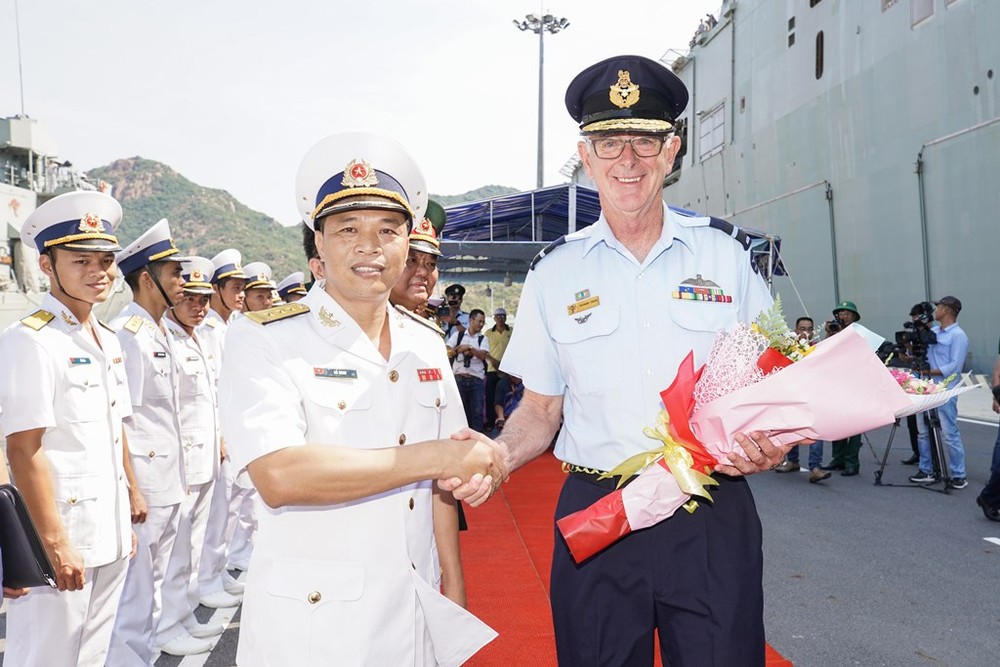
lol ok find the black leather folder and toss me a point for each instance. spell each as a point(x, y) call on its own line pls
point(25, 563)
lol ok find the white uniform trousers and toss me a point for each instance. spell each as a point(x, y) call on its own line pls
point(141, 603)
point(215, 550)
point(243, 518)
point(49, 627)
point(180, 584)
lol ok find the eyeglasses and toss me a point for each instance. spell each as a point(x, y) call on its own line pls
point(608, 148)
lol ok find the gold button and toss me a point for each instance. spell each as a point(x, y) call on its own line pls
point(152, 454)
point(411, 503)
point(314, 597)
point(402, 438)
point(72, 500)
point(437, 402)
point(342, 405)
point(393, 376)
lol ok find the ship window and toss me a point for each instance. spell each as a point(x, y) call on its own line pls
point(813, 3)
point(712, 131)
point(886, 4)
point(819, 54)
point(791, 23)
point(920, 11)
point(791, 39)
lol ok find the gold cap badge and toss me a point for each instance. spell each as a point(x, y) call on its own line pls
point(359, 174)
point(91, 222)
point(624, 93)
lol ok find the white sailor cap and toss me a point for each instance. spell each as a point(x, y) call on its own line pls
point(153, 245)
point(227, 265)
point(197, 273)
point(75, 220)
point(293, 283)
point(258, 276)
point(358, 171)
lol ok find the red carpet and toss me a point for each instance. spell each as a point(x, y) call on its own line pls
point(507, 554)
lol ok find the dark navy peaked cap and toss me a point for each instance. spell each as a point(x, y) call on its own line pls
point(626, 94)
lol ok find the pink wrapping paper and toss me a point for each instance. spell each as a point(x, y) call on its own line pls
point(841, 389)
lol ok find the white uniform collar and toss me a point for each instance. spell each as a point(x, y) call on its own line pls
point(671, 231)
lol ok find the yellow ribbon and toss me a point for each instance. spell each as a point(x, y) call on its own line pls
point(677, 459)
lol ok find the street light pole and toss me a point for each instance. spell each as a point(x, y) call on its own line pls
point(539, 26)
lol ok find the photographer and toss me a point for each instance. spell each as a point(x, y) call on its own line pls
point(455, 319)
point(845, 452)
point(945, 358)
point(910, 352)
point(470, 350)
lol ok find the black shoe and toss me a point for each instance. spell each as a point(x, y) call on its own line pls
point(923, 478)
point(832, 466)
point(990, 513)
point(850, 472)
point(958, 483)
point(912, 461)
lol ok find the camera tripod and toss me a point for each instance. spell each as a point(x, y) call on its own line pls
point(937, 442)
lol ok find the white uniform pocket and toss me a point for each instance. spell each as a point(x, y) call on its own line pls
point(79, 508)
point(588, 358)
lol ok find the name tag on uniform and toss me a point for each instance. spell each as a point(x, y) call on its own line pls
point(429, 374)
point(348, 373)
point(159, 355)
point(79, 361)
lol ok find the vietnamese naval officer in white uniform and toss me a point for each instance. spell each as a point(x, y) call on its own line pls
point(200, 441)
point(292, 287)
point(63, 394)
point(337, 406)
point(152, 268)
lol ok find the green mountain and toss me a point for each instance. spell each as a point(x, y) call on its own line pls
point(485, 192)
point(204, 220)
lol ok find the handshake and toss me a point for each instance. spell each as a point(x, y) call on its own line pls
point(473, 467)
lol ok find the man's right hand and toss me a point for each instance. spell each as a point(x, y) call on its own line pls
point(137, 504)
point(479, 487)
point(68, 565)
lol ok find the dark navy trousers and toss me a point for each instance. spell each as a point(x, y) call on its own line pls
point(696, 579)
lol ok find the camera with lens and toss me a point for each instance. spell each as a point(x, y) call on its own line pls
point(466, 360)
point(912, 342)
point(833, 326)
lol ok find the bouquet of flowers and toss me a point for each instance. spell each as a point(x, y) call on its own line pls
point(758, 377)
point(924, 393)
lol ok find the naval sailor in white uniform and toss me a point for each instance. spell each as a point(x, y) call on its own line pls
point(146, 620)
point(340, 407)
point(63, 394)
point(200, 441)
point(216, 588)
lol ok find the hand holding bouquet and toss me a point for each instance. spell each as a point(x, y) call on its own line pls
point(758, 377)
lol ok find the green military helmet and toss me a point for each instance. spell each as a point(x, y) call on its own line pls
point(847, 305)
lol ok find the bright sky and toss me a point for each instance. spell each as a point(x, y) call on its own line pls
point(232, 93)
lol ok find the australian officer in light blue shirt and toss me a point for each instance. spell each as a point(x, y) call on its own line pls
point(604, 321)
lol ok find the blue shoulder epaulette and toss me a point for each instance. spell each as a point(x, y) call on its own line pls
point(545, 251)
point(729, 229)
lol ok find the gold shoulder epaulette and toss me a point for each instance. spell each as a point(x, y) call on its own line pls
point(212, 322)
point(37, 319)
point(133, 324)
point(277, 313)
point(422, 320)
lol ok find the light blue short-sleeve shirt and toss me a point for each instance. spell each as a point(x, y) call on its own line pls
point(607, 332)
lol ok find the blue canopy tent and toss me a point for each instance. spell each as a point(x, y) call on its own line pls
point(495, 239)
